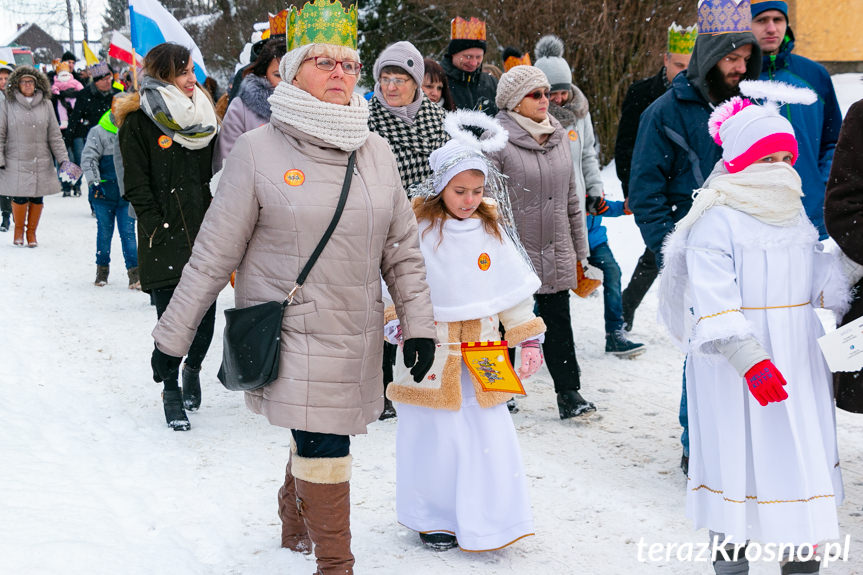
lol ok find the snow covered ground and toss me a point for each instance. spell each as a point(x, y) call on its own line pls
point(92, 481)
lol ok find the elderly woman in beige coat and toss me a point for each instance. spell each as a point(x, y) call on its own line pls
point(30, 143)
point(278, 193)
point(549, 217)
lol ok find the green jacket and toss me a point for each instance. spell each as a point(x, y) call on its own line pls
point(169, 188)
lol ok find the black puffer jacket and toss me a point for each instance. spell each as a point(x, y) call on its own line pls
point(471, 90)
point(169, 188)
point(90, 105)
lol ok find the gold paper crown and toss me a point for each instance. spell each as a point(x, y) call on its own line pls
point(681, 40)
point(472, 29)
point(322, 22)
point(512, 62)
point(278, 24)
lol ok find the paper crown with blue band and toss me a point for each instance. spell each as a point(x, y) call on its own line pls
point(724, 16)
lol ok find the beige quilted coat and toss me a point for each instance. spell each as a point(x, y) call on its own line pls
point(330, 371)
point(30, 140)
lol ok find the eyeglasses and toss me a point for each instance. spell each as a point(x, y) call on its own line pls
point(468, 57)
point(27, 81)
point(397, 82)
point(539, 94)
point(328, 64)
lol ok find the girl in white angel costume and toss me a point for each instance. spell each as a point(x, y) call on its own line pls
point(459, 474)
point(743, 274)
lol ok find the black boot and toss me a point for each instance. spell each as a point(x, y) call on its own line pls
point(175, 416)
point(439, 541)
point(4, 225)
point(793, 567)
point(191, 388)
point(571, 404)
point(389, 411)
point(511, 405)
point(684, 464)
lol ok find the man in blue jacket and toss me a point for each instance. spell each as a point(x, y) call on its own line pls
point(816, 126)
point(674, 152)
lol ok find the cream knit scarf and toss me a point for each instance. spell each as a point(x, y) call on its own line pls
point(768, 192)
point(537, 130)
point(345, 127)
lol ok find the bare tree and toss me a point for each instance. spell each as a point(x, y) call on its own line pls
point(70, 18)
point(82, 12)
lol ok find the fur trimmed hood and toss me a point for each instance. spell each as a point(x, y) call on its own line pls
point(42, 83)
point(255, 92)
point(575, 109)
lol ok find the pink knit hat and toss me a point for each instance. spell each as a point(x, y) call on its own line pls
point(748, 132)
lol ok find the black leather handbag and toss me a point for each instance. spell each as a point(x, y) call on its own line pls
point(252, 338)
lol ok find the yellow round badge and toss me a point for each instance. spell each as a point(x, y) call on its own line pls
point(165, 142)
point(484, 261)
point(295, 177)
point(573, 135)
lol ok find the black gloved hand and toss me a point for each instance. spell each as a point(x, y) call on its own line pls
point(165, 367)
point(419, 356)
point(596, 205)
point(96, 190)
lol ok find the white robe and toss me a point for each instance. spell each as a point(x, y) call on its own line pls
point(769, 474)
point(461, 471)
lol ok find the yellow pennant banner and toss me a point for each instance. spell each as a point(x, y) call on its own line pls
point(488, 361)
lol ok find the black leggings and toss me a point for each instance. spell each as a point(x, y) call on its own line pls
point(161, 297)
point(324, 445)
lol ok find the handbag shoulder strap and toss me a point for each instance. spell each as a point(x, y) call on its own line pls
point(343, 198)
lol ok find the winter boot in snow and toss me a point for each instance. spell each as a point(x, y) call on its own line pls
point(191, 387)
point(295, 536)
point(389, 411)
point(101, 276)
point(134, 279)
point(4, 225)
point(511, 405)
point(439, 541)
point(793, 567)
point(19, 215)
point(324, 501)
point(617, 343)
point(34, 212)
point(172, 400)
point(571, 404)
point(736, 564)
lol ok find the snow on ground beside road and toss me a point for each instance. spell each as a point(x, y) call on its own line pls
point(92, 481)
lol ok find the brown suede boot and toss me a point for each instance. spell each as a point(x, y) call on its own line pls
point(19, 215)
point(324, 501)
point(295, 536)
point(34, 212)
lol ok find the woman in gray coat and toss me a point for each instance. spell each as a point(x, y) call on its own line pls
point(30, 144)
point(549, 217)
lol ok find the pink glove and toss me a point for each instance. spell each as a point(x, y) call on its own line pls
point(531, 358)
point(765, 383)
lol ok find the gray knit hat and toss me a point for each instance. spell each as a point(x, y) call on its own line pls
point(549, 59)
point(514, 85)
point(405, 56)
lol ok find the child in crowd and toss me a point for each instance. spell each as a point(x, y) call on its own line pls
point(743, 273)
point(64, 88)
point(103, 167)
point(459, 474)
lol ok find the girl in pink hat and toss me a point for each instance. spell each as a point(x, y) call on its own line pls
point(743, 274)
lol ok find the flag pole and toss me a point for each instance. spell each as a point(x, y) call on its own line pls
point(135, 69)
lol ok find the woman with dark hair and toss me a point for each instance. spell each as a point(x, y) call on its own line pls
point(167, 133)
point(436, 87)
point(30, 143)
point(251, 108)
